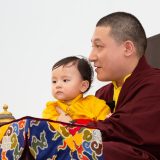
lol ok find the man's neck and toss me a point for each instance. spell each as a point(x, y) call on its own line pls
point(120, 82)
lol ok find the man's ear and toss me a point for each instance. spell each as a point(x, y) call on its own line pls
point(84, 86)
point(129, 48)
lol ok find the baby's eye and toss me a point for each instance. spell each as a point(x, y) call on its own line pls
point(53, 81)
point(66, 80)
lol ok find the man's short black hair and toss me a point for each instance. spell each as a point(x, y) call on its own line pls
point(125, 26)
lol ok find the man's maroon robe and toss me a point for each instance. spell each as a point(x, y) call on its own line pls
point(133, 130)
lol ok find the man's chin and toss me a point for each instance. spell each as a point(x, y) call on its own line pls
point(102, 79)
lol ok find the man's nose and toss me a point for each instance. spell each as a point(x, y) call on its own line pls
point(92, 56)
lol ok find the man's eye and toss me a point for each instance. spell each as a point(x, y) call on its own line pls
point(97, 46)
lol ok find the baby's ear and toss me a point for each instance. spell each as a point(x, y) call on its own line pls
point(84, 86)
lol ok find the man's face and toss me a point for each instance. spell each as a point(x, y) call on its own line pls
point(107, 55)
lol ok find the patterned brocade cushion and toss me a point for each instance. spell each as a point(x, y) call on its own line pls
point(49, 140)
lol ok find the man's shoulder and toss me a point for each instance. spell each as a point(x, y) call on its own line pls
point(104, 88)
point(151, 74)
point(103, 91)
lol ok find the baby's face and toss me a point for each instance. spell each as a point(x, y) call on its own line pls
point(66, 82)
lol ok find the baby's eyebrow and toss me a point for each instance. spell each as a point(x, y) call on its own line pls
point(66, 77)
point(53, 77)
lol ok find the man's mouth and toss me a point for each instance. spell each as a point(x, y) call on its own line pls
point(97, 68)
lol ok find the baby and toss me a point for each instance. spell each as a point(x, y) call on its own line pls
point(71, 78)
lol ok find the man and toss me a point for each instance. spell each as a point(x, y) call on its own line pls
point(132, 132)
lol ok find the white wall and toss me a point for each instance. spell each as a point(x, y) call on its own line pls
point(36, 33)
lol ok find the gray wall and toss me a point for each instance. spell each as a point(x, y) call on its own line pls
point(153, 50)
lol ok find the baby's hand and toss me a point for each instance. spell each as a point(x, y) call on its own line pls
point(62, 116)
point(108, 115)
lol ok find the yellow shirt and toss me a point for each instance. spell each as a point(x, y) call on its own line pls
point(89, 107)
point(117, 90)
